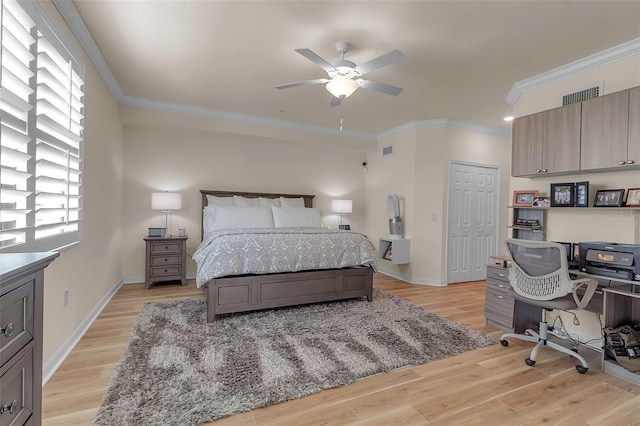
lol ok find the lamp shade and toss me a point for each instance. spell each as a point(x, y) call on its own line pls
point(342, 87)
point(166, 201)
point(341, 206)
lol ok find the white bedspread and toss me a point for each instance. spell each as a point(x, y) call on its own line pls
point(265, 251)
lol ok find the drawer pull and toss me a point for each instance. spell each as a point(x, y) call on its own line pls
point(501, 286)
point(500, 297)
point(9, 407)
point(165, 270)
point(501, 275)
point(166, 248)
point(8, 330)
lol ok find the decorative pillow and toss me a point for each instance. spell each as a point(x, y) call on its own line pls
point(291, 217)
point(245, 202)
point(212, 200)
point(292, 202)
point(266, 202)
point(242, 217)
point(209, 218)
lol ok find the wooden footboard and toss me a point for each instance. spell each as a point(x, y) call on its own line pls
point(253, 292)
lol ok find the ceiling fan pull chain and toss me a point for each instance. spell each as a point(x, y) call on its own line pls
point(341, 114)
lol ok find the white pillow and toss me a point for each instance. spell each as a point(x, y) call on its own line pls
point(242, 217)
point(266, 202)
point(212, 200)
point(290, 217)
point(208, 218)
point(245, 202)
point(292, 202)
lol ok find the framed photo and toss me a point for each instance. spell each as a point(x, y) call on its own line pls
point(608, 198)
point(524, 198)
point(541, 202)
point(344, 227)
point(388, 255)
point(633, 197)
point(582, 194)
point(562, 194)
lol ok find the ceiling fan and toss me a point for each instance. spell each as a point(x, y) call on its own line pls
point(345, 76)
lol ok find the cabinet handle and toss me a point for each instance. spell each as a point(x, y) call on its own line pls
point(544, 170)
point(538, 171)
point(622, 163)
point(631, 162)
point(8, 330)
point(9, 407)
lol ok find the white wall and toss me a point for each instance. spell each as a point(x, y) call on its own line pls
point(174, 152)
point(418, 172)
point(92, 268)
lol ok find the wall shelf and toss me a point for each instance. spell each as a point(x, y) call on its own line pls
point(400, 250)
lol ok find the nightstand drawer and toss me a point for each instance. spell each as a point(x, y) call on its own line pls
point(501, 274)
point(165, 260)
point(158, 247)
point(16, 382)
point(165, 271)
point(16, 320)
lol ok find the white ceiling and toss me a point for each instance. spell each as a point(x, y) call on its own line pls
point(462, 57)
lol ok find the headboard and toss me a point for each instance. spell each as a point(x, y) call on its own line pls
point(308, 199)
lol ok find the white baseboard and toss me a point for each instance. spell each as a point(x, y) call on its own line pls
point(138, 280)
point(412, 280)
point(63, 352)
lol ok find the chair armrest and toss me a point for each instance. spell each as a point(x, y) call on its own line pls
point(591, 284)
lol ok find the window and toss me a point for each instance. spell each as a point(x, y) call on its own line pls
point(41, 116)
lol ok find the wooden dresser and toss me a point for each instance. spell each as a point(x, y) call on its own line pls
point(165, 259)
point(21, 297)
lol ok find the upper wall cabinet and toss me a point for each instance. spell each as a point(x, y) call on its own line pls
point(633, 149)
point(547, 142)
point(605, 132)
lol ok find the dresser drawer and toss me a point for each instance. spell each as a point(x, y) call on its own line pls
point(165, 260)
point(16, 382)
point(16, 320)
point(501, 274)
point(501, 286)
point(499, 308)
point(159, 247)
point(165, 271)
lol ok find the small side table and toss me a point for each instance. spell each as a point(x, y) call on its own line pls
point(165, 259)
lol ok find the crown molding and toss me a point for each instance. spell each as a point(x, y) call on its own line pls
point(242, 118)
point(614, 54)
point(76, 24)
point(444, 122)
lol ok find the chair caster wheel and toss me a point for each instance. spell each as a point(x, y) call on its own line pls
point(581, 368)
point(531, 362)
point(504, 343)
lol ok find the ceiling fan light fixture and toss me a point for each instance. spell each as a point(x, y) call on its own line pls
point(341, 87)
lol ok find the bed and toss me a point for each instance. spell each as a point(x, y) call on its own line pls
point(237, 265)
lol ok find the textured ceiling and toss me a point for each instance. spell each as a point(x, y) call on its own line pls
point(462, 58)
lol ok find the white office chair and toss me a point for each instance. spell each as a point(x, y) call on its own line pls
point(539, 276)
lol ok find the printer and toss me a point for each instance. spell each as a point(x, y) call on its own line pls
point(612, 260)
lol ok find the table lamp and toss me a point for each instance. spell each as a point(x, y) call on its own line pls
point(341, 207)
point(166, 202)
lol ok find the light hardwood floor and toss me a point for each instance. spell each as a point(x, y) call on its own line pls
point(491, 385)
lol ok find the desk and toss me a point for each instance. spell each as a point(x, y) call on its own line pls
point(619, 304)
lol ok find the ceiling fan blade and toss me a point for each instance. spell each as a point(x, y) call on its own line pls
point(302, 83)
point(381, 61)
point(379, 87)
point(334, 101)
point(307, 53)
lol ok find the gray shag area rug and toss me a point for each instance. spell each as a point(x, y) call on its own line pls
point(179, 370)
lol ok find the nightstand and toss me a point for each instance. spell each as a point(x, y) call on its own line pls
point(165, 259)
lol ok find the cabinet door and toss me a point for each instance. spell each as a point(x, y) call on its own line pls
point(528, 136)
point(561, 148)
point(605, 130)
point(633, 156)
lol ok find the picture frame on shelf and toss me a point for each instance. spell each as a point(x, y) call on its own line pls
point(344, 227)
point(633, 197)
point(563, 194)
point(524, 198)
point(388, 254)
point(541, 202)
point(582, 194)
point(608, 198)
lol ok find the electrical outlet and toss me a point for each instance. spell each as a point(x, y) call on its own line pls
point(66, 296)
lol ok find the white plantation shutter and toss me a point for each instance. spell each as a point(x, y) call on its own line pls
point(42, 107)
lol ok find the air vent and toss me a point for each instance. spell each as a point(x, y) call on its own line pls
point(582, 95)
point(387, 150)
